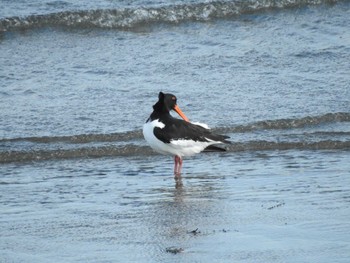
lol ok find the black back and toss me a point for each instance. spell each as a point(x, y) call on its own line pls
point(176, 129)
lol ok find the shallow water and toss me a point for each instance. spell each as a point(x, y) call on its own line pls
point(79, 184)
point(273, 206)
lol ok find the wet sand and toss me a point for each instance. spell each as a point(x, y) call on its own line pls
point(278, 206)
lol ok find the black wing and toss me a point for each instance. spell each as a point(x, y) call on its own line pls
point(176, 129)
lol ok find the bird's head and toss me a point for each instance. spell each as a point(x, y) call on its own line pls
point(167, 102)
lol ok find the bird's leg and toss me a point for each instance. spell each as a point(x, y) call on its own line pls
point(178, 165)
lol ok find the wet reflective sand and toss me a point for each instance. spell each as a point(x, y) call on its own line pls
point(271, 206)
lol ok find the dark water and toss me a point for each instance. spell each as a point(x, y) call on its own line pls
point(79, 184)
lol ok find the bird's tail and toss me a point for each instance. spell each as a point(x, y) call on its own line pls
point(215, 148)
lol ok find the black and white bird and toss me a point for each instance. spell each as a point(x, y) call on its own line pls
point(172, 136)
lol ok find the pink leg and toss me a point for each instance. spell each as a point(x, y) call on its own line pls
point(178, 165)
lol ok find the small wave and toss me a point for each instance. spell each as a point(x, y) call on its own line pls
point(284, 124)
point(279, 124)
point(129, 143)
point(267, 146)
point(129, 18)
point(135, 150)
point(81, 138)
point(92, 152)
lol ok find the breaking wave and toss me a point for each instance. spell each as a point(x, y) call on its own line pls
point(131, 143)
point(130, 18)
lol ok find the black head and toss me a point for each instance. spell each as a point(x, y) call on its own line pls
point(166, 102)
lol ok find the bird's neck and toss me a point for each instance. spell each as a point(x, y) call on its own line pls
point(161, 108)
point(159, 115)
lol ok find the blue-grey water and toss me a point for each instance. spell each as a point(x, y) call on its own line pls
point(79, 184)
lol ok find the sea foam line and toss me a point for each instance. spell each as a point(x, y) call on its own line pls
point(129, 18)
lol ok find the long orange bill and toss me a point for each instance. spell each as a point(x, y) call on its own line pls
point(177, 109)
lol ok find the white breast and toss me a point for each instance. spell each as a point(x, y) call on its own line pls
point(152, 140)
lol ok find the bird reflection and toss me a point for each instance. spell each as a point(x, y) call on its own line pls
point(178, 182)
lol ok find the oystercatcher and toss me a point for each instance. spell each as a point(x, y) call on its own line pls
point(169, 135)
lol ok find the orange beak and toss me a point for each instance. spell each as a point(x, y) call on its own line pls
point(177, 109)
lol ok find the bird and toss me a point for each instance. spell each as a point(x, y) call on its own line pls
point(178, 137)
